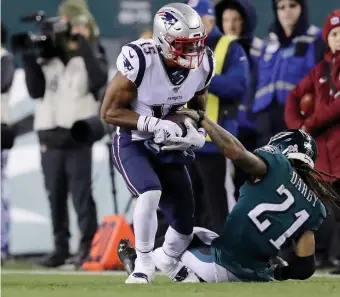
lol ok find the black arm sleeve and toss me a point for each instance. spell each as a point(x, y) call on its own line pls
point(7, 73)
point(96, 65)
point(299, 268)
point(35, 79)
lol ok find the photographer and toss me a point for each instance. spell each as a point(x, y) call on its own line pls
point(66, 81)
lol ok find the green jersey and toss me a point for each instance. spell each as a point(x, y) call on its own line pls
point(277, 208)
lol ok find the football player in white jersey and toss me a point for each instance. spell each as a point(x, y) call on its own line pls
point(156, 77)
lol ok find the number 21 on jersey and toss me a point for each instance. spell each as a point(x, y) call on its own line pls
point(301, 216)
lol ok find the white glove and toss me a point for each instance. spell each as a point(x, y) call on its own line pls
point(194, 139)
point(163, 130)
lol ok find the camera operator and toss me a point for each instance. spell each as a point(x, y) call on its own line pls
point(65, 81)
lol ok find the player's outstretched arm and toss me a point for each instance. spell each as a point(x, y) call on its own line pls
point(229, 145)
point(115, 108)
point(233, 149)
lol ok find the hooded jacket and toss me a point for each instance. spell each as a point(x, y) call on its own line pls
point(286, 60)
point(252, 46)
point(231, 85)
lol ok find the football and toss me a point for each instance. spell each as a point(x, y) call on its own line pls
point(179, 120)
point(307, 105)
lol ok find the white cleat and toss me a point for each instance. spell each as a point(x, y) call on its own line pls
point(137, 278)
point(173, 268)
point(142, 274)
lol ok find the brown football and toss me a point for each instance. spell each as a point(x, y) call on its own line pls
point(307, 105)
point(179, 120)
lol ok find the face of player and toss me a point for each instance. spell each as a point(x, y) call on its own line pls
point(232, 22)
point(334, 39)
point(189, 52)
point(187, 48)
point(288, 12)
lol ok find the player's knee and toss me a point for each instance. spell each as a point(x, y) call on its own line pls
point(149, 200)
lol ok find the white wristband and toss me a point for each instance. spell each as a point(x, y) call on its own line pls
point(147, 123)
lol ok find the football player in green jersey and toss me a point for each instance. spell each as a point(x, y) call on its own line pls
point(282, 202)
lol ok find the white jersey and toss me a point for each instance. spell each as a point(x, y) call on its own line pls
point(159, 93)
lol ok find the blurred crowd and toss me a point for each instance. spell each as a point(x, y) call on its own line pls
point(261, 87)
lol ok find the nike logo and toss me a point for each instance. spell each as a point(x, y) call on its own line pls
point(243, 58)
point(131, 56)
point(322, 80)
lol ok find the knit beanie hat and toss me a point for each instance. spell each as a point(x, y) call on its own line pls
point(332, 21)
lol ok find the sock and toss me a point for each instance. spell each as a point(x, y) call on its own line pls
point(145, 224)
point(176, 243)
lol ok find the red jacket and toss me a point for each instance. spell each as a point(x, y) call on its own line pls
point(324, 123)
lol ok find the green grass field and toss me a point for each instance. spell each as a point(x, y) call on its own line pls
point(56, 285)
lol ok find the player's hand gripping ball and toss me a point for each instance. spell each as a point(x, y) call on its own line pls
point(307, 105)
point(192, 136)
point(179, 120)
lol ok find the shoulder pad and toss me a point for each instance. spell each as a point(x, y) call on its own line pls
point(134, 59)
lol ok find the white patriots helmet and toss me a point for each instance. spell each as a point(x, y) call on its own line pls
point(179, 33)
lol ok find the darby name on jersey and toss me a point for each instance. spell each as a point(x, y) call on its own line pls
point(303, 188)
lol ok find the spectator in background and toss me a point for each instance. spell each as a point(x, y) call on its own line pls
point(226, 90)
point(294, 48)
point(238, 17)
point(7, 138)
point(65, 82)
point(323, 82)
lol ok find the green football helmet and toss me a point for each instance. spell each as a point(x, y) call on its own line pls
point(296, 144)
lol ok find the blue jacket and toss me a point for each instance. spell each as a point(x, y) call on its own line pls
point(285, 61)
point(231, 85)
point(252, 46)
point(245, 111)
